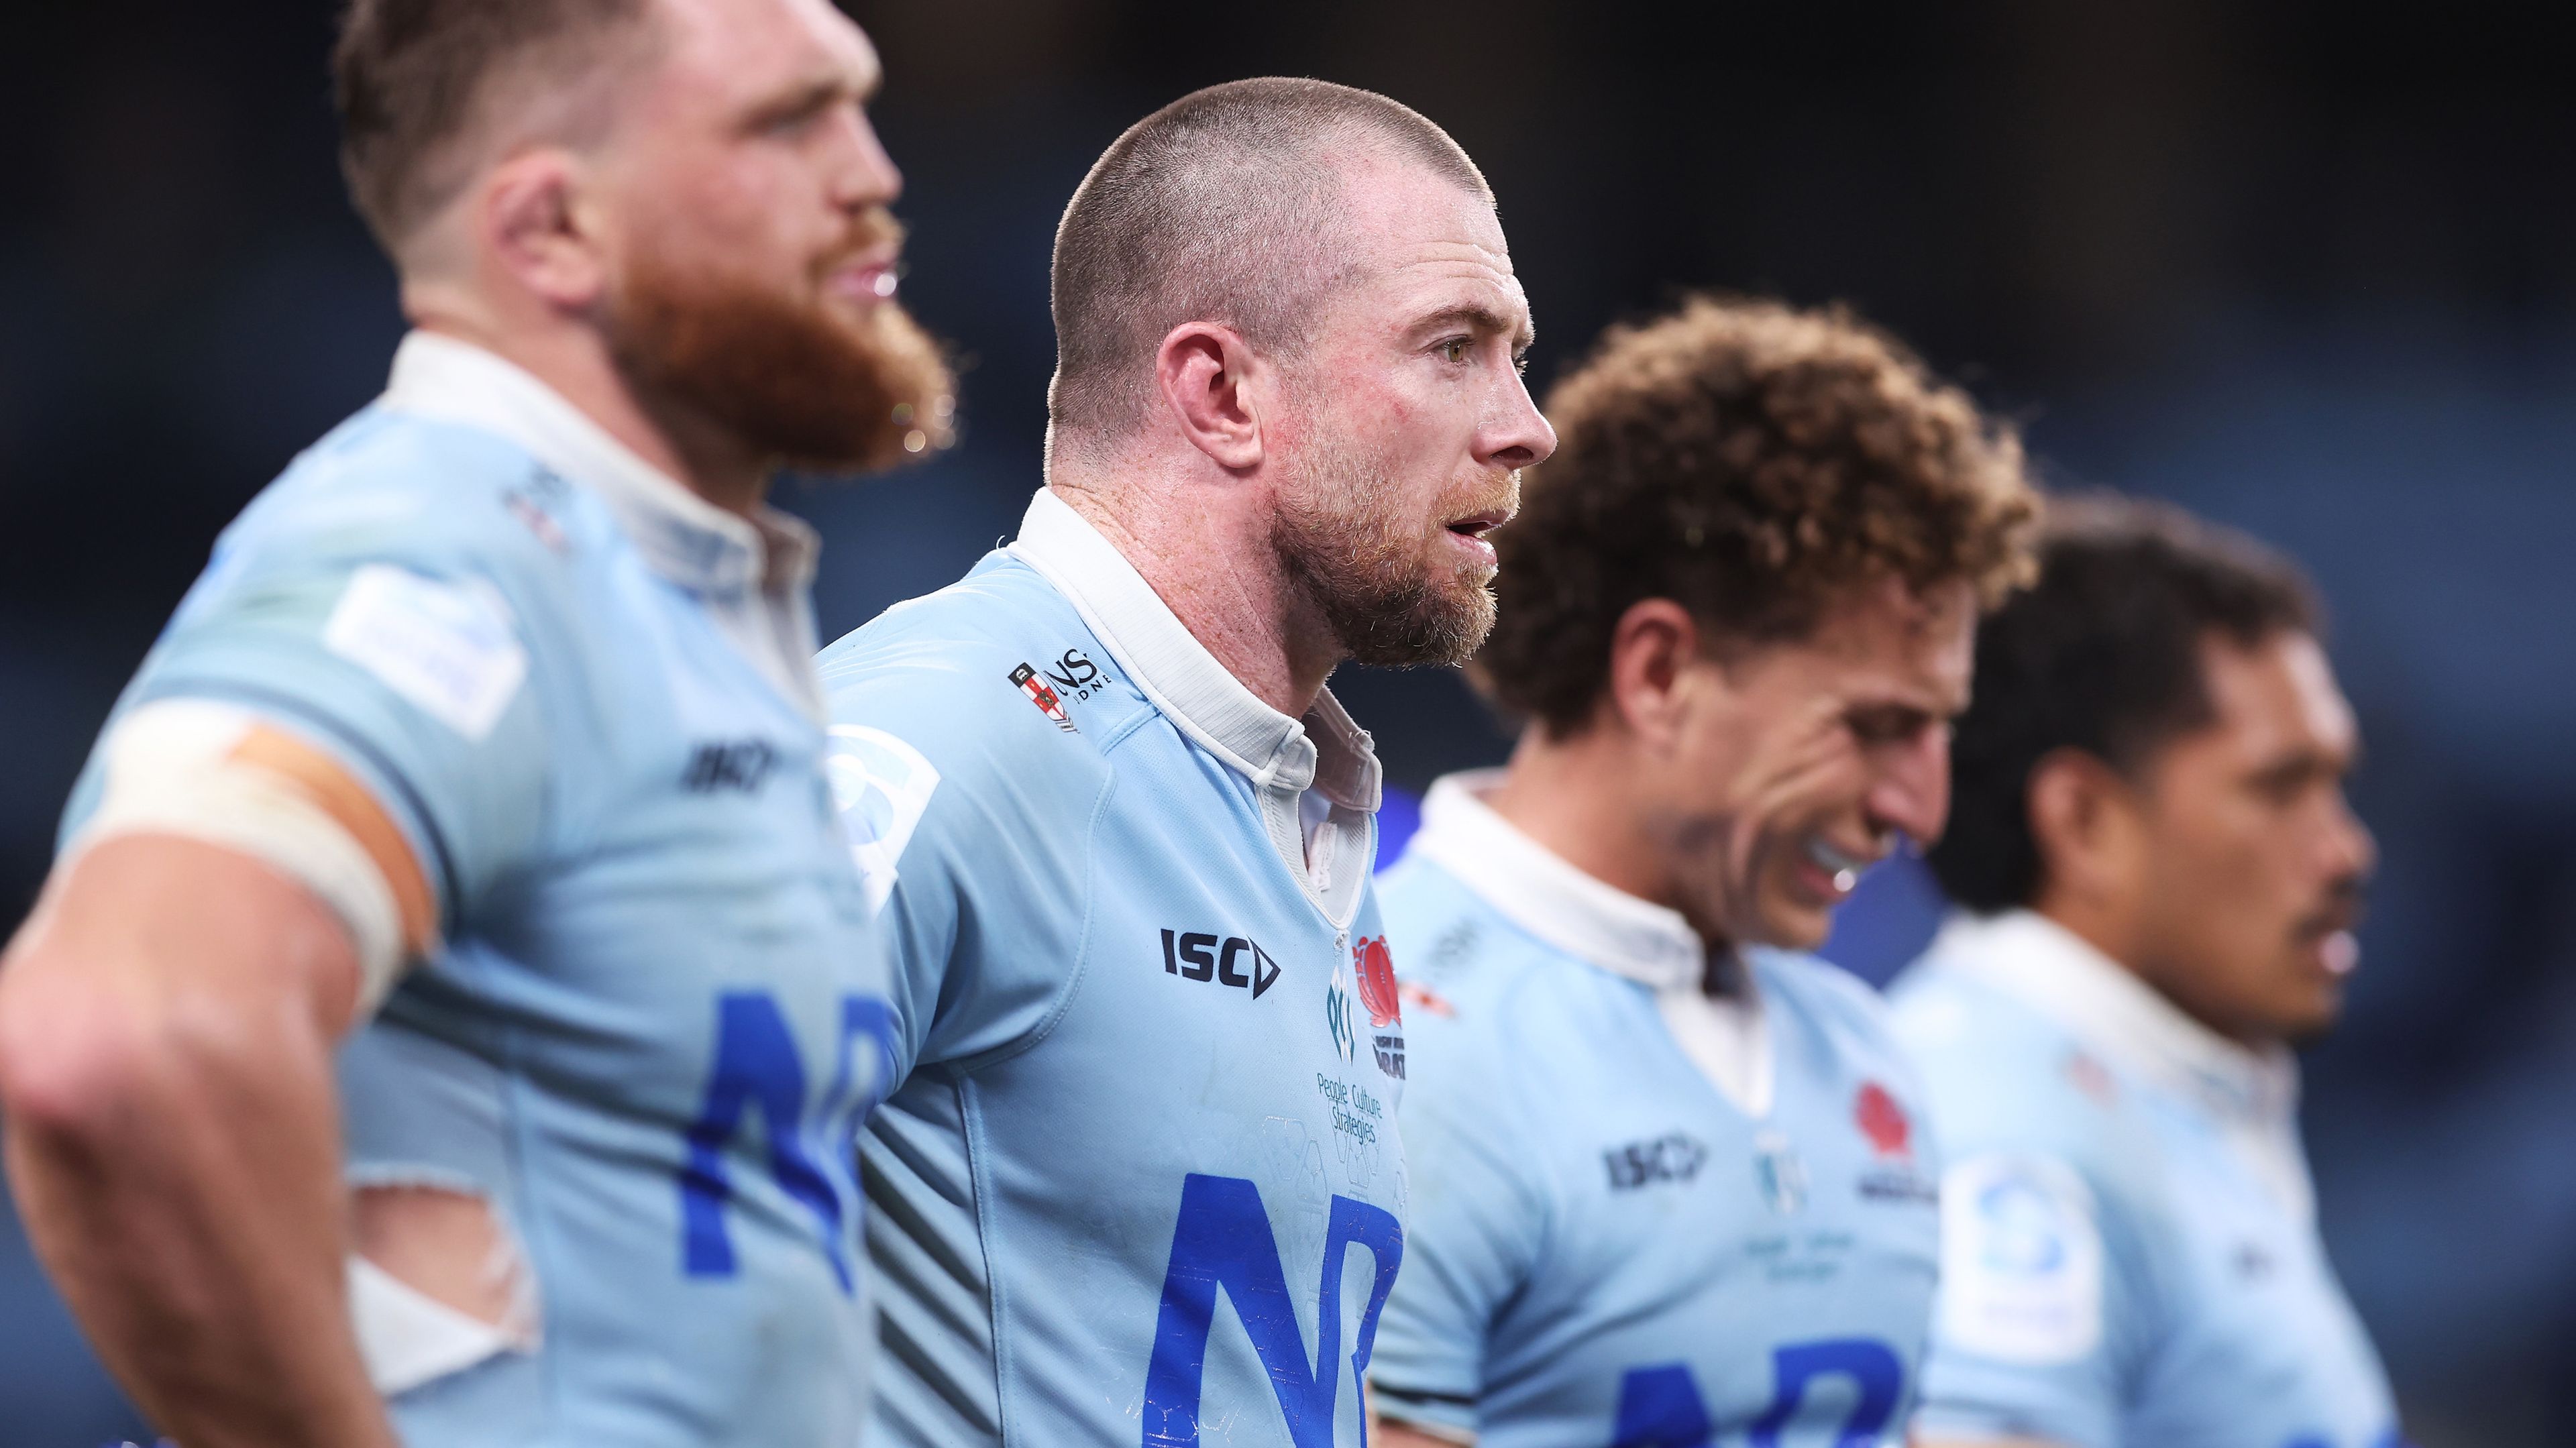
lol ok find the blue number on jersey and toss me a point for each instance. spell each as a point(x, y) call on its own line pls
point(756, 1061)
point(1224, 1242)
point(1661, 1407)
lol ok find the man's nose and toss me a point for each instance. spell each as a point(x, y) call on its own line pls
point(1911, 787)
point(1521, 437)
point(862, 175)
point(2352, 850)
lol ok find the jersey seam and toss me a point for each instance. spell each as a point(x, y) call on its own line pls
point(987, 1224)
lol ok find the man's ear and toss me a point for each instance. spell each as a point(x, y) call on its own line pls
point(535, 228)
point(1654, 659)
point(1216, 392)
point(2084, 823)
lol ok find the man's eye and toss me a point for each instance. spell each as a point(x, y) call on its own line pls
point(1456, 349)
point(1887, 726)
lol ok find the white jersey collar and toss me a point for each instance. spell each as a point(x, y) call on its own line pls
point(682, 536)
point(1324, 751)
point(1726, 1037)
point(2043, 964)
point(1536, 889)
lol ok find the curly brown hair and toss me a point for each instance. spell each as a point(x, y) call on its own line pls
point(1751, 462)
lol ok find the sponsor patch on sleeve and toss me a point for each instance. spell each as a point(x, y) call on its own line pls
point(882, 785)
point(449, 648)
point(2021, 1261)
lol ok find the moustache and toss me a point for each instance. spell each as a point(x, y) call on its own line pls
point(2346, 900)
point(871, 232)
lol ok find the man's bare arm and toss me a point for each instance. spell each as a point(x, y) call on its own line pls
point(1388, 1433)
point(167, 1021)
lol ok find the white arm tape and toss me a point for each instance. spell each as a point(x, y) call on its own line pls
point(170, 772)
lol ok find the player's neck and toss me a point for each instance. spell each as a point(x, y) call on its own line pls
point(1575, 797)
point(574, 363)
point(1210, 559)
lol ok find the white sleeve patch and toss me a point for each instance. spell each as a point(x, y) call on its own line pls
point(2021, 1261)
point(882, 786)
point(449, 648)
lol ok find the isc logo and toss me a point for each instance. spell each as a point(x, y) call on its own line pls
point(1231, 961)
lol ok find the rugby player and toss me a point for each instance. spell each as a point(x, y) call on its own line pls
point(1671, 1183)
point(484, 767)
point(2161, 879)
point(1142, 1179)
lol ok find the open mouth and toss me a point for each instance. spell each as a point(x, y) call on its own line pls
point(1842, 867)
point(1476, 525)
point(867, 277)
point(2330, 941)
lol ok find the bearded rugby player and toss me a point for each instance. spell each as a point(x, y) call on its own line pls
point(483, 767)
point(1671, 1183)
point(2162, 878)
point(1142, 1180)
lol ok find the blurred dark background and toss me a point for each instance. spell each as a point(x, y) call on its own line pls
point(2309, 268)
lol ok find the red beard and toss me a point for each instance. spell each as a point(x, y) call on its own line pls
point(787, 377)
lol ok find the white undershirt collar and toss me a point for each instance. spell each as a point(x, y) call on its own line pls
point(1201, 696)
point(2047, 966)
point(1606, 927)
point(1316, 778)
point(2254, 1092)
point(1535, 888)
point(762, 566)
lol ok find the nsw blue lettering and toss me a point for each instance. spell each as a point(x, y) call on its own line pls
point(1661, 1406)
point(756, 1062)
point(1223, 1243)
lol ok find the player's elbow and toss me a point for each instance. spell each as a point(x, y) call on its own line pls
point(81, 1060)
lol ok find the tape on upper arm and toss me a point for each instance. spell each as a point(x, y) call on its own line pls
point(214, 772)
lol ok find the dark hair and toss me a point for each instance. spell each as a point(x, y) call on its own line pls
point(1216, 208)
point(410, 78)
point(2103, 654)
point(1752, 463)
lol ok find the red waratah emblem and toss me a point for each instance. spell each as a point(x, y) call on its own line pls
point(1375, 967)
point(1881, 1120)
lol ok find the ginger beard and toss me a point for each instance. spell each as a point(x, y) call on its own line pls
point(789, 373)
point(1391, 588)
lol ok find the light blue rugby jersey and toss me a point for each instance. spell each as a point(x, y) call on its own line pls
point(2130, 1257)
point(1640, 1217)
point(1141, 1184)
point(658, 1011)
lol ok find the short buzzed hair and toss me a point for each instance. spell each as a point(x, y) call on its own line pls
point(2103, 656)
point(413, 77)
point(1216, 208)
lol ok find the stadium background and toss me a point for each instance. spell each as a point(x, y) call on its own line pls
point(2310, 268)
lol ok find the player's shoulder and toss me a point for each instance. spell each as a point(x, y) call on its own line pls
point(1480, 990)
point(1830, 996)
point(1838, 1019)
point(2007, 1079)
point(439, 497)
point(1453, 943)
point(994, 682)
